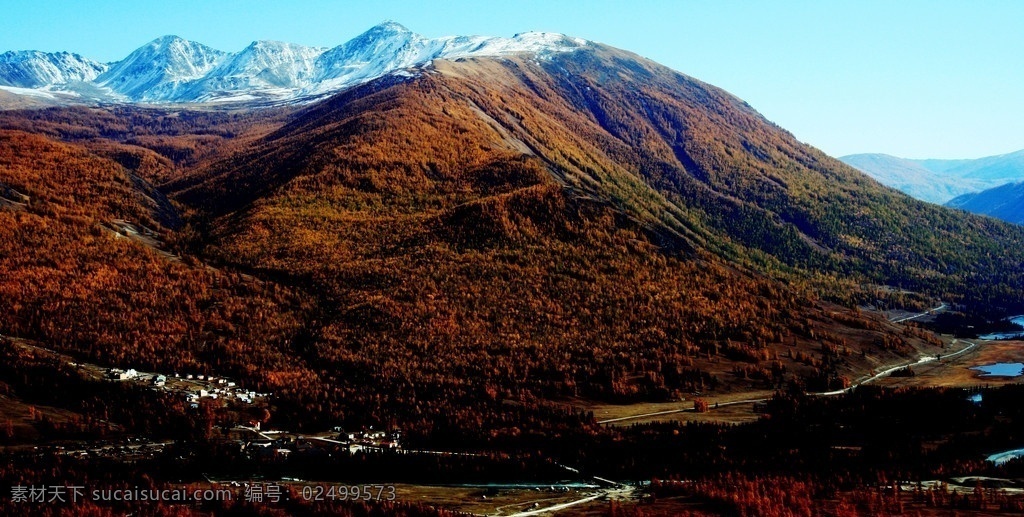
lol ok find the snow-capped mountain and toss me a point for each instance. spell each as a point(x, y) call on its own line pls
point(262, 67)
point(161, 70)
point(173, 70)
point(390, 46)
point(34, 69)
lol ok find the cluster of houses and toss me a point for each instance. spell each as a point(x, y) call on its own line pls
point(279, 444)
point(195, 387)
point(368, 438)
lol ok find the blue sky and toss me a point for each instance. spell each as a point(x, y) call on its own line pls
point(919, 79)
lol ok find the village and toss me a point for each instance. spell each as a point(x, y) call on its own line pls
point(279, 444)
point(257, 441)
point(252, 437)
point(192, 387)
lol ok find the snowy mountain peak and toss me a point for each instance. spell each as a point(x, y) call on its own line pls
point(548, 40)
point(167, 40)
point(264, 68)
point(173, 69)
point(388, 27)
point(158, 70)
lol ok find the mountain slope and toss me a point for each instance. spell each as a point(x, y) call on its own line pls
point(471, 220)
point(692, 163)
point(1005, 202)
point(438, 277)
point(594, 211)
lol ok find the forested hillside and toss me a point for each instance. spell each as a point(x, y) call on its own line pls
point(457, 251)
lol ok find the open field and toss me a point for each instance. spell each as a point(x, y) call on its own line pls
point(501, 501)
point(951, 370)
point(957, 372)
point(21, 422)
point(731, 409)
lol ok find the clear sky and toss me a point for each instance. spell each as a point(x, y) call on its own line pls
point(918, 79)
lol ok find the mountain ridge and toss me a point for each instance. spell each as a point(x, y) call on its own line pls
point(171, 69)
point(34, 69)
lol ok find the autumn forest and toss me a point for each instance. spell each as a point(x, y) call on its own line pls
point(478, 257)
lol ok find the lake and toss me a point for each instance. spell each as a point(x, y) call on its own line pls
point(1001, 369)
point(1002, 457)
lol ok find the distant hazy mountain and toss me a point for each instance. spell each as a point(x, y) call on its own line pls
point(912, 178)
point(171, 69)
point(1000, 169)
point(1005, 202)
point(939, 181)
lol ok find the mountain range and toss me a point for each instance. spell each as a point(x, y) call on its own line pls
point(939, 181)
point(174, 70)
point(527, 260)
point(451, 245)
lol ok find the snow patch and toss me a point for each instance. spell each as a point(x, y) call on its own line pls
point(29, 92)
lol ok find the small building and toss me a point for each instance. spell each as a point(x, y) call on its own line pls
point(122, 375)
